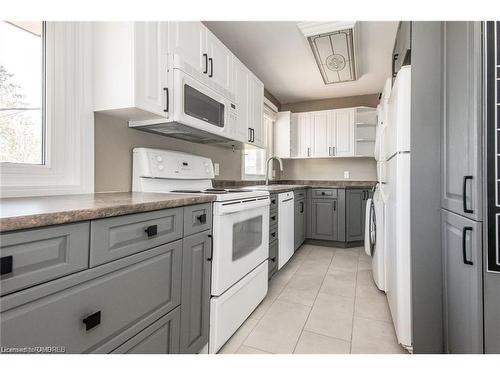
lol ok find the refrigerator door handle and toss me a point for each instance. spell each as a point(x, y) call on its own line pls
point(464, 195)
point(464, 245)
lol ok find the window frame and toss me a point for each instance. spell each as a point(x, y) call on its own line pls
point(69, 150)
point(269, 114)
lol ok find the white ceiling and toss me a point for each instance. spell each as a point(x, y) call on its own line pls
point(280, 56)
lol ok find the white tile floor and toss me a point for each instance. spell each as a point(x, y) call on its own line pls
point(323, 301)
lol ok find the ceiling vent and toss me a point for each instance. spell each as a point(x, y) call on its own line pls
point(334, 47)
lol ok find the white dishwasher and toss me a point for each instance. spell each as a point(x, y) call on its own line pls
point(285, 227)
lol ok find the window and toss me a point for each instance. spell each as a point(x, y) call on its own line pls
point(254, 159)
point(46, 114)
point(21, 92)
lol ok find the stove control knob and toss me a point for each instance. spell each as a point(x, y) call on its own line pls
point(161, 167)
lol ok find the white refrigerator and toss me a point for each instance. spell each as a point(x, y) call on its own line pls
point(397, 192)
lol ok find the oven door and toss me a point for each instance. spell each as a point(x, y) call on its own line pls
point(198, 105)
point(240, 240)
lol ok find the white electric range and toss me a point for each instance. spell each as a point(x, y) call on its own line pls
point(240, 238)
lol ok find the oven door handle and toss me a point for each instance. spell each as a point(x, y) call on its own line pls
point(238, 207)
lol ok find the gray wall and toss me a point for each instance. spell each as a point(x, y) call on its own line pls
point(333, 103)
point(329, 169)
point(426, 188)
point(114, 142)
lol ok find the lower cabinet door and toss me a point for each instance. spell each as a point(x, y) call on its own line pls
point(324, 219)
point(195, 299)
point(355, 214)
point(161, 337)
point(273, 258)
point(299, 223)
point(462, 267)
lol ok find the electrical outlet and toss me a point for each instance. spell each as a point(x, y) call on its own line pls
point(347, 174)
point(216, 169)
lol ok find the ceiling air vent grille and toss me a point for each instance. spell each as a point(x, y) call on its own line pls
point(334, 46)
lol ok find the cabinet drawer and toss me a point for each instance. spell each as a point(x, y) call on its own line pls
point(273, 233)
point(197, 218)
point(118, 237)
point(161, 337)
point(299, 194)
point(273, 202)
point(35, 256)
point(324, 193)
point(85, 316)
point(273, 218)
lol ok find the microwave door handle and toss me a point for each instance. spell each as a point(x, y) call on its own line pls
point(205, 56)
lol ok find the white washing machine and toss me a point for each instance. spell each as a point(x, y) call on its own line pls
point(374, 236)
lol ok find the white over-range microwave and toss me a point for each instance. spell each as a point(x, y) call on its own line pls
point(196, 108)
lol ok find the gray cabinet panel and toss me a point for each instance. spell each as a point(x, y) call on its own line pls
point(197, 218)
point(117, 237)
point(273, 258)
point(40, 255)
point(273, 218)
point(324, 219)
point(161, 337)
point(341, 215)
point(273, 199)
point(355, 204)
point(299, 223)
point(195, 301)
point(461, 127)
point(122, 297)
point(273, 233)
point(309, 213)
point(462, 284)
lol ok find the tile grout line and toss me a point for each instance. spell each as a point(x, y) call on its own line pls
point(354, 307)
point(264, 313)
point(310, 310)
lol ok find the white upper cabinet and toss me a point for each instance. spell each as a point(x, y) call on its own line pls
point(304, 135)
point(344, 124)
point(151, 83)
point(282, 135)
point(256, 110)
point(189, 40)
point(240, 78)
point(320, 122)
point(220, 62)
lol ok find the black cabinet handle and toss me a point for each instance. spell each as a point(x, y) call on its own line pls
point(273, 217)
point(394, 58)
point(323, 193)
point(252, 132)
point(335, 205)
point(273, 234)
point(301, 207)
point(211, 61)
point(273, 259)
point(464, 250)
point(92, 320)
point(166, 99)
point(6, 265)
point(249, 134)
point(152, 230)
point(211, 251)
point(202, 218)
point(273, 201)
point(464, 195)
point(206, 63)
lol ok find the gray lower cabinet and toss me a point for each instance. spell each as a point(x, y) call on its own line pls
point(195, 301)
point(299, 222)
point(273, 258)
point(324, 215)
point(35, 256)
point(462, 269)
point(461, 121)
point(84, 316)
point(161, 337)
point(273, 235)
point(355, 208)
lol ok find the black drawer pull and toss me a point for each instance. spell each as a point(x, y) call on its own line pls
point(273, 201)
point(273, 259)
point(202, 218)
point(6, 265)
point(152, 230)
point(273, 217)
point(301, 207)
point(92, 320)
point(464, 250)
point(323, 193)
point(464, 195)
point(273, 234)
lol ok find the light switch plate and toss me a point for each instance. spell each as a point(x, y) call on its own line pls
point(216, 169)
point(347, 174)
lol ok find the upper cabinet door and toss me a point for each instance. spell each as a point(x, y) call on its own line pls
point(220, 62)
point(461, 137)
point(331, 133)
point(320, 122)
point(188, 40)
point(344, 127)
point(304, 134)
point(151, 79)
point(256, 96)
point(240, 79)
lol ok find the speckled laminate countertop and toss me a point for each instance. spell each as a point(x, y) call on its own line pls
point(32, 212)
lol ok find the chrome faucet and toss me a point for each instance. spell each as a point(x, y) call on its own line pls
point(267, 166)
